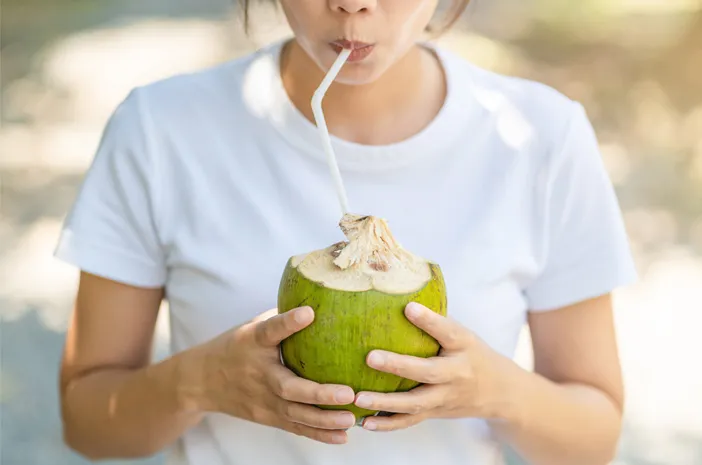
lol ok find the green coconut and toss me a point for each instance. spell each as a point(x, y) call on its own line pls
point(359, 289)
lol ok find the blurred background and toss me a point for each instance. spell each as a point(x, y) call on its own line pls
point(636, 65)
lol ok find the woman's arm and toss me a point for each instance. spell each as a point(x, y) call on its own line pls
point(566, 413)
point(570, 410)
point(113, 402)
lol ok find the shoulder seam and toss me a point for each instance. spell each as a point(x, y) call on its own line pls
point(155, 162)
point(550, 163)
point(557, 149)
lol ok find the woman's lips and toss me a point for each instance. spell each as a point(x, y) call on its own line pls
point(359, 50)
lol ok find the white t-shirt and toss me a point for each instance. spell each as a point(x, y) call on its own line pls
point(207, 183)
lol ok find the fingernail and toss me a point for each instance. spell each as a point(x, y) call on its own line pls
point(339, 438)
point(346, 421)
point(414, 310)
point(302, 315)
point(344, 396)
point(376, 358)
point(364, 401)
point(370, 425)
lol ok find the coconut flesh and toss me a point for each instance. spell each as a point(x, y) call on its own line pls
point(358, 289)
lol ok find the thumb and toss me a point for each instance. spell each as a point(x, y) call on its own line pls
point(268, 314)
point(273, 328)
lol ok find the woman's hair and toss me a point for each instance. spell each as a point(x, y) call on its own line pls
point(459, 6)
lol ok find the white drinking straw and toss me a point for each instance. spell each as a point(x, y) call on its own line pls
point(324, 132)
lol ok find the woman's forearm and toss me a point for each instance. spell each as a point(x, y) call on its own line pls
point(558, 424)
point(119, 413)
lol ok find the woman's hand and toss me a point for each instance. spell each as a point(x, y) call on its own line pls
point(466, 379)
point(241, 375)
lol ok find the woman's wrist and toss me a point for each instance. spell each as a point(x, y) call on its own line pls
point(189, 381)
point(505, 404)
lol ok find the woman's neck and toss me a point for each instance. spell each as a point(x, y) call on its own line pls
point(394, 107)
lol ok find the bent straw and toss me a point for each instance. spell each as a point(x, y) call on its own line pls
point(324, 132)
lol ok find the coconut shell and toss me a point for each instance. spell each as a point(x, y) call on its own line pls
point(348, 325)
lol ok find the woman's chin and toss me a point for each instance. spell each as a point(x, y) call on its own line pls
point(357, 78)
point(360, 73)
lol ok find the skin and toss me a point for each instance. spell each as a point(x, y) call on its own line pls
point(115, 403)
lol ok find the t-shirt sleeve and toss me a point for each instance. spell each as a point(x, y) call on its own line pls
point(111, 230)
point(585, 248)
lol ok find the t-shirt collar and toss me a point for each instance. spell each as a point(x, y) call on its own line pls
point(268, 98)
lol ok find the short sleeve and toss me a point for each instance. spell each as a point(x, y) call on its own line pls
point(586, 251)
point(111, 230)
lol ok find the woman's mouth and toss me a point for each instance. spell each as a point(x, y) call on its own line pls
point(359, 50)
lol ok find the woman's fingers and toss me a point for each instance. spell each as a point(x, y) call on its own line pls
point(288, 386)
point(419, 400)
point(432, 370)
point(321, 435)
point(317, 417)
point(271, 330)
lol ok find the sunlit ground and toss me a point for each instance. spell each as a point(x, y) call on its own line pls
point(54, 119)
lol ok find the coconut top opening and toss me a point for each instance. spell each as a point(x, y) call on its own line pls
point(370, 258)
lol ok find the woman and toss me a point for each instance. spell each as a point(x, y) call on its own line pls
point(205, 184)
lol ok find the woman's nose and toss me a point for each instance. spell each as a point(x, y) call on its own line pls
point(352, 6)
